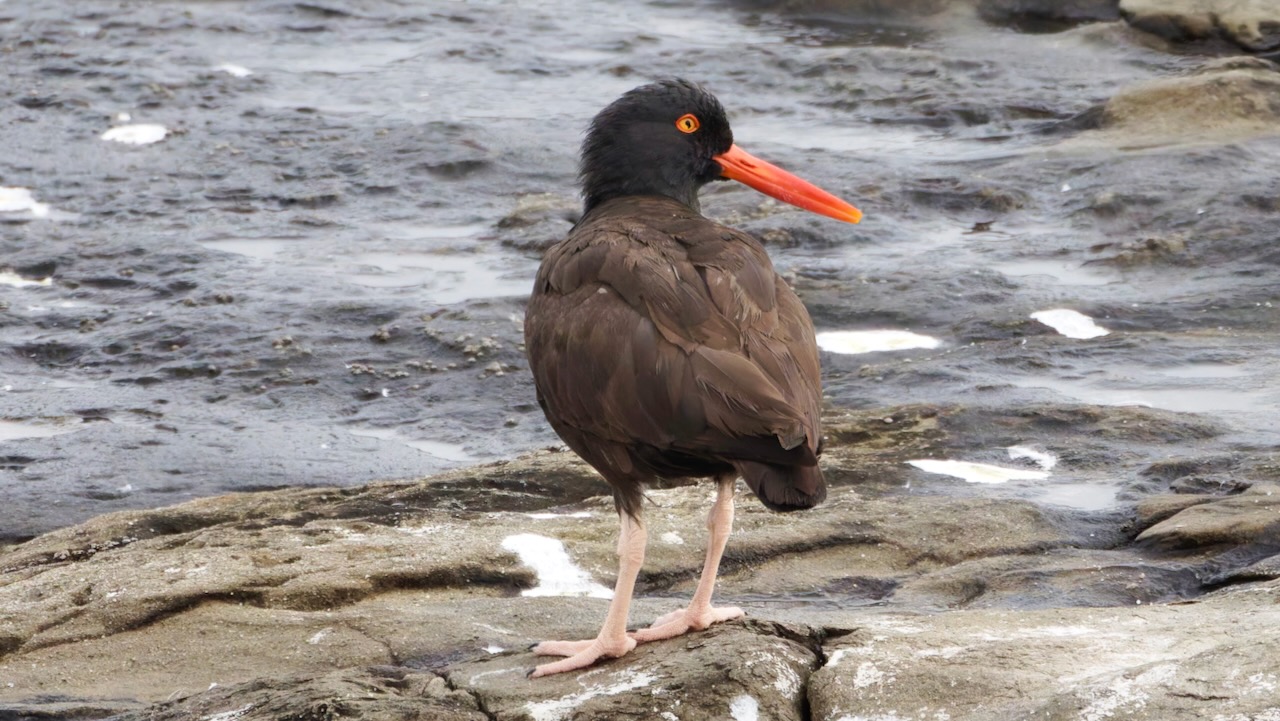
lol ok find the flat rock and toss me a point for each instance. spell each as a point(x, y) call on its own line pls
point(735, 670)
point(1211, 659)
point(1250, 517)
point(372, 694)
point(1252, 24)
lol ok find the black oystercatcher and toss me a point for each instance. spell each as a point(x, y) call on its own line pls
point(663, 344)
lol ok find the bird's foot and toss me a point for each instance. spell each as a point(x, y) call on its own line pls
point(580, 653)
point(678, 623)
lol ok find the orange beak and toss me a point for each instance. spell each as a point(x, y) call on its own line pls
point(737, 164)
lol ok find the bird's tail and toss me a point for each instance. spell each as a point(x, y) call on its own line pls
point(784, 488)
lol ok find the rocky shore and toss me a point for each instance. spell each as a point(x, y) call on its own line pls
point(1034, 513)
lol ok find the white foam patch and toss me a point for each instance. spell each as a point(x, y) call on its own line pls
point(8, 277)
point(558, 708)
point(136, 134)
point(12, 429)
point(557, 573)
point(494, 648)
point(1044, 459)
point(873, 341)
point(1072, 324)
point(20, 200)
point(234, 70)
point(978, 472)
point(744, 708)
point(672, 538)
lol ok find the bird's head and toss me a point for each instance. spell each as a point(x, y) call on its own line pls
point(672, 137)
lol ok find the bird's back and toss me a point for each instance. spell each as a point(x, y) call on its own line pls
point(664, 344)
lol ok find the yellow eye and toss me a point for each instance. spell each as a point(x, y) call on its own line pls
point(688, 123)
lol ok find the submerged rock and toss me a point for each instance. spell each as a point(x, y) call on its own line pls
point(1224, 100)
point(1047, 15)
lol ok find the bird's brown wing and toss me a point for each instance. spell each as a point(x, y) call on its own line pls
point(677, 335)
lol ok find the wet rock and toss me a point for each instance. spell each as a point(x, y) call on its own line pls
point(380, 693)
point(1047, 15)
point(539, 221)
point(1225, 99)
point(1253, 25)
point(738, 670)
point(1203, 660)
point(1249, 517)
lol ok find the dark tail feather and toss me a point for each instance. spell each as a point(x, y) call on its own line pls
point(784, 488)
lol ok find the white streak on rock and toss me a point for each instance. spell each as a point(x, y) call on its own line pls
point(557, 573)
point(977, 472)
point(229, 715)
point(1070, 323)
point(137, 134)
point(558, 708)
point(868, 675)
point(548, 516)
point(1126, 693)
point(872, 341)
point(672, 538)
point(744, 708)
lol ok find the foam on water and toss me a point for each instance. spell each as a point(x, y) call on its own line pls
point(1044, 459)
point(20, 200)
point(12, 430)
point(557, 574)
point(9, 278)
point(1072, 324)
point(439, 449)
point(978, 472)
point(238, 71)
point(136, 134)
point(873, 341)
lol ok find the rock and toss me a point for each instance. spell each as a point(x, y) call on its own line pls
point(1254, 25)
point(736, 670)
point(373, 600)
point(372, 694)
point(1223, 101)
point(1250, 517)
point(1047, 15)
point(538, 221)
point(1211, 659)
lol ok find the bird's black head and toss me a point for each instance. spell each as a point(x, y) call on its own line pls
point(657, 139)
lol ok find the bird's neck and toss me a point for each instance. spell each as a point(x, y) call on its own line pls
point(638, 183)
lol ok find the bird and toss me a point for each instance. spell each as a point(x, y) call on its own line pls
point(664, 345)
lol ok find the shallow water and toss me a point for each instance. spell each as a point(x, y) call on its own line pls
point(317, 275)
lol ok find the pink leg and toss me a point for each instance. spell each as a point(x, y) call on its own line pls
point(700, 614)
point(613, 640)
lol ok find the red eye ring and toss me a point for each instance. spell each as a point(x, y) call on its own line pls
point(688, 123)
